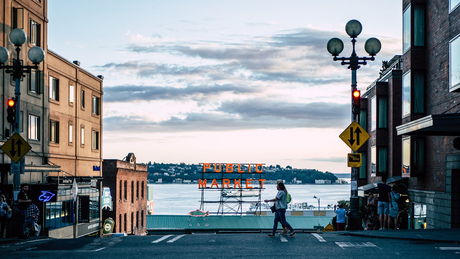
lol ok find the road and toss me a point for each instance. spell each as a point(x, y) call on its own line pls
point(240, 245)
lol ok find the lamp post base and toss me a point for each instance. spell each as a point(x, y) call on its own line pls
point(355, 217)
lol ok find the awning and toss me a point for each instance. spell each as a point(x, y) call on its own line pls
point(397, 179)
point(432, 125)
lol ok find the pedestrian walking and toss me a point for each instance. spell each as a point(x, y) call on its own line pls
point(31, 220)
point(280, 213)
point(383, 203)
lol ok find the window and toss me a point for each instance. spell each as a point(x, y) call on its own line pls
point(382, 162)
point(82, 99)
point(70, 133)
point(454, 4)
point(373, 160)
point(95, 140)
point(406, 94)
point(34, 33)
point(54, 88)
point(362, 170)
point(119, 223)
point(419, 26)
point(137, 190)
point(382, 112)
point(34, 127)
point(419, 92)
point(454, 63)
point(82, 135)
point(142, 219)
point(132, 222)
point(137, 219)
point(413, 155)
point(132, 191)
point(142, 190)
point(373, 113)
point(96, 107)
point(35, 81)
point(406, 29)
point(413, 27)
point(54, 131)
point(405, 158)
point(124, 225)
point(17, 20)
point(121, 189)
point(71, 94)
point(126, 190)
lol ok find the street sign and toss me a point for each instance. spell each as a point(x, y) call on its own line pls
point(354, 160)
point(354, 136)
point(16, 147)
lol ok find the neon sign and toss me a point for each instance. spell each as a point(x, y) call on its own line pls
point(231, 169)
point(46, 196)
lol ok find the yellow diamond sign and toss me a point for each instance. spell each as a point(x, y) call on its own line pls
point(16, 147)
point(354, 136)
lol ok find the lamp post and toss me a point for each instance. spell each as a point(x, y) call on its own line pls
point(372, 47)
point(318, 210)
point(36, 55)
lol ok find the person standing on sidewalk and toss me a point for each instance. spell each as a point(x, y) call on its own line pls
point(383, 203)
point(394, 208)
point(280, 214)
point(3, 215)
point(23, 203)
point(340, 217)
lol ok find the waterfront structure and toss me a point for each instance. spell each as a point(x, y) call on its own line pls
point(61, 119)
point(417, 124)
point(127, 181)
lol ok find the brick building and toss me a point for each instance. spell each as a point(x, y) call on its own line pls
point(420, 142)
point(127, 181)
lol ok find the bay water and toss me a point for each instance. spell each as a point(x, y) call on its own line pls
point(180, 199)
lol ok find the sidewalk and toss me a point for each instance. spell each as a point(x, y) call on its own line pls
point(431, 235)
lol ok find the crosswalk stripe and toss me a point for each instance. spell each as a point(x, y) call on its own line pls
point(451, 248)
point(320, 238)
point(354, 244)
point(161, 239)
point(175, 239)
point(283, 239)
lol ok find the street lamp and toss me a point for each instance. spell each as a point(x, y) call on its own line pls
point(319, 225)
point(372, 47)
point(36, 55)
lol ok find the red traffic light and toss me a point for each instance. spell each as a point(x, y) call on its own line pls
point(356, 94)
point(11, 102)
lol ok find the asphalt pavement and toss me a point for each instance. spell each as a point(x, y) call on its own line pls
point(430, 235)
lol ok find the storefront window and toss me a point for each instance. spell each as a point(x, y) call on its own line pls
point(59, 214)
point(419, 216)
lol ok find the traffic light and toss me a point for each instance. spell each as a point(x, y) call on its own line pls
point(356, 101)
point(11, 111)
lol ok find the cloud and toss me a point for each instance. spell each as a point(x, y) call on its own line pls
point(240, 115)
point(129, 93)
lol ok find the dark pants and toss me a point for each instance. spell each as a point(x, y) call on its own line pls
point(280, 215)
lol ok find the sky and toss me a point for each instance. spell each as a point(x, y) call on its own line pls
point(218, 81)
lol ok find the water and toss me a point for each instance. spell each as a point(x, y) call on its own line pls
point(179, 199)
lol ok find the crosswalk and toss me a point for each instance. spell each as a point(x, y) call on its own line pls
point(173, 238)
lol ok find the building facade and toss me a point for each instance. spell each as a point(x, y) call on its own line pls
point(127, 181)
point(61, 119)
point(421, 143)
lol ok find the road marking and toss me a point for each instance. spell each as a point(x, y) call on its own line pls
point(352, 244)
point(161, 239)
point(320, 238)
point(448, 248)
point(283, 239)
point(175, 239)
point(33, 241)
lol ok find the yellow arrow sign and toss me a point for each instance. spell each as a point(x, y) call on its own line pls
point(354, 136)
point(354, 160)
point(16, 147)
